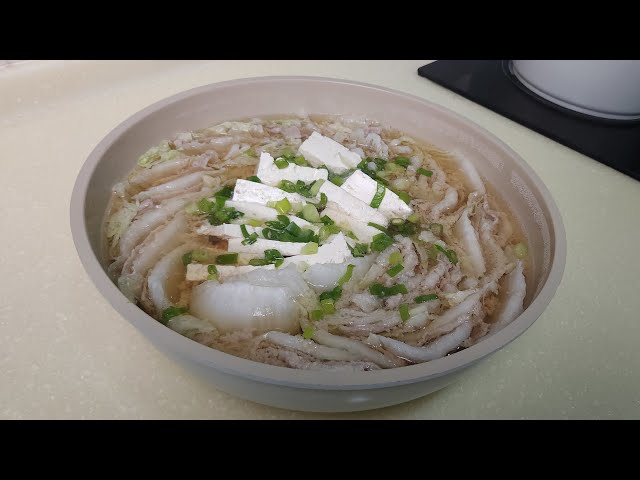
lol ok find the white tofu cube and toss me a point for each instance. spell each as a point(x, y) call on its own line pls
point(319, 150)
point(364, 188)
point(270, 174)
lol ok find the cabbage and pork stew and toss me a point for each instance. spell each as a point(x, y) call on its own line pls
point(318, 242)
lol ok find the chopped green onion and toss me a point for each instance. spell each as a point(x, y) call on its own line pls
point(281, 163)
point(227, 259)
point(402, 161)
point(392, 167)
point(187, 258)
point(450, 254)
point(347, 275)
point(309, 249)
point(395, 258)
point(380, 242)
point(379, 195)
point(299, 160)
point(520, 250)
point(327, 220)
point(436, 229)
point(326, 231)
point(310, 213)
point(315, 188)
point(249, 239)
point(350, 234)
point(380, 290)
point(378, 226)
point(404, 196)
point(202, 256)
point(220, 201)
point(250, 153)
point(258, 262)
point(254, 223)
point(323, 200)
point(283, 206)
point(213, 272)
point(287, 152)
point(287, 186)
point(205, 206)
point(328, 306)
point(308, 332)
point(226, 192)
point(426, 298)
point(396, 269)
point(332, 294)
point(253, 178)
point(316, 315)
point(337, 180)
point(425, 172)
point(169, 313)
point(414, 217)
point(404, 312)
point(360, 250)
point(403, 228)
point(303, 189)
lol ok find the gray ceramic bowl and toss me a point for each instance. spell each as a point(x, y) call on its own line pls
point(500, 166)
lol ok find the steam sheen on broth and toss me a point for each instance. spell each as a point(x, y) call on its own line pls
point(321, 242)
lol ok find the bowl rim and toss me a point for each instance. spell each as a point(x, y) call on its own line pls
point(171, 341)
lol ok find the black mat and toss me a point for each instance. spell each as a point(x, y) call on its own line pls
point(491, 84)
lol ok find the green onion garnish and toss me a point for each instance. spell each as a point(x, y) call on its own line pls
point(202, 256)
point(254, 223)
point(258, 262)
point(397, 221)
point(227, 259)
point(520, 250)
point(328, 306)
point(307, 333)
point(337, 180)
point(396, 269)
point(187, 258)
point(378, 226)
point(250, 153)
point(392, 167)
point(380, 242)
point(315, 188)
point(283, 206)
point(395, 258)
point(213, 272)
point(379, 195)
point(332, 294)
point(404, 196)
point(399, 226)
point(310, 213)
point(414, 217)
point(425, 172)
point(404, 312)
point(347, 275)
point(323, 200)
point(281, 163)
point(426, 298)
point(249, 239)
point(402, 161)
point(287, 186)
point(380, 290)
point(309, 249)
point(287, 152)
point(327, 220)
point(450, 254)
point(299, 160)
point(360, 250)
point(352, 235)
point(315, 315)
point(169, 313)
point(253, 178)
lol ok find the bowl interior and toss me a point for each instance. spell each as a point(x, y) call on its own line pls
point(499, 166)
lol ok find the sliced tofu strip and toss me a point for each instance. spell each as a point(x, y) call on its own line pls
point(319, 150)
point(247, 191)
point(270, 174)
point(364, 232)
point(352, 205)
point(364, 188)
point(335, 251)
point(264, 214)
point(285, 248)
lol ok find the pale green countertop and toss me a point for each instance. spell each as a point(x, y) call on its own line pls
point(65, 353)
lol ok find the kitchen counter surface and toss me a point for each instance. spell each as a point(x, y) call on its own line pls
point(65, 353)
